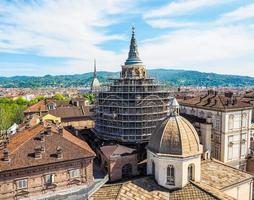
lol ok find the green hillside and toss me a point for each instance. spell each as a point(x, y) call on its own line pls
point(171, 77)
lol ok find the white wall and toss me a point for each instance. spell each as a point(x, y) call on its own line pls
point(241, 192)
point(181, 169)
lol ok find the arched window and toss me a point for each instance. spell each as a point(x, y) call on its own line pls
point(190, 172)
point(171, 175)
point(127, 171)
point(153, 168)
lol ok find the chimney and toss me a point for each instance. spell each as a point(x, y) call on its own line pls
point(60, 130)
point(27, 126)
point(48, 130)
point(42, 137)
point(42, 149)
point(6, 155)
point(59, 152)
point(5, 144)
point(37, 153)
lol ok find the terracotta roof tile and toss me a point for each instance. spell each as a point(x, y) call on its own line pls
point(147, 189)
point(22, 147)
point(215, 102)
point(220, 176)
point(117, 149)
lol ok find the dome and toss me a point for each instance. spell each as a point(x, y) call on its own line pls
point(175, 136)
point(95, 86)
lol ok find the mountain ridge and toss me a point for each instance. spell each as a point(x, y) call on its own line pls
point(167, 76)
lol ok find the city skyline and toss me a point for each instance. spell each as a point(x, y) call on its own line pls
point(63, 37)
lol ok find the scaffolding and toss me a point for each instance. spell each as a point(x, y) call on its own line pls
point(130, 109)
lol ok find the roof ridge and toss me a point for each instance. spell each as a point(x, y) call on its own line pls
point(79, 141)
point(208, 188)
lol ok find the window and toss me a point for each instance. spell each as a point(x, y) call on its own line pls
point(49, 179)
point(244, 120)
point(75, 173)
point(21, 184)
point(190, 173)
point(233, 147)
point(231, 122)
point(243, 144)
point(171, 175)
point(237, 121)
point(230, 147)
point(217, 123)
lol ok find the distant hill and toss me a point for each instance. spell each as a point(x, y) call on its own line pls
point(168, 76)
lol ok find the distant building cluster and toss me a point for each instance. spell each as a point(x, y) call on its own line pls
point(138, 140)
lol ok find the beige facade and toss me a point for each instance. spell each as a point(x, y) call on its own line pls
point(242, 191)
point(39, 180)
point(230, 132)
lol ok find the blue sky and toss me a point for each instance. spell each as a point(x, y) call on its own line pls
point(39, 37)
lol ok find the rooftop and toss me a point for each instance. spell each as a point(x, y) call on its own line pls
point(214, 101)
point(113, 150)
point(22, 147)
point(175, 136)
point(147, 189)
point(221, 176)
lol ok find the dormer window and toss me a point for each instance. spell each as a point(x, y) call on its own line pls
point(51, 106)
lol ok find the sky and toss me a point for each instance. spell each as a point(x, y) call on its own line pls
point(39, 37)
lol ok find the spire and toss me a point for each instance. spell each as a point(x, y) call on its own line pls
point(133, 57)
point(174, 107)
point(94, 72)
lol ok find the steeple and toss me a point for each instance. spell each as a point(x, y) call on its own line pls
point(133, 57)
point(94, 72)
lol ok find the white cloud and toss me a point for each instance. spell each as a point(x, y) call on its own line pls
point(181, 7)
point(75, 29)
point(167, 23)
point(61, 28)
point(241, 13)
point(215, 49)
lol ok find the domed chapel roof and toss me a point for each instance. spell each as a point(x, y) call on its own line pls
point(175, 136)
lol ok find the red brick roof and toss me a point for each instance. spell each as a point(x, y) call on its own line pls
point(22, 145)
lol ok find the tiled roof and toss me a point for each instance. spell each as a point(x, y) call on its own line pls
point(175, 136)
point(40, 106)
point(147, 189)
point(22, 147)
point(221, 176)
point(65, 112)
point(107, 192)
point(216, 102)
point(43, 105)
point(110, 150)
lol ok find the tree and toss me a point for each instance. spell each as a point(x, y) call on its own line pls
point(59, 96)
point(90, 97)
